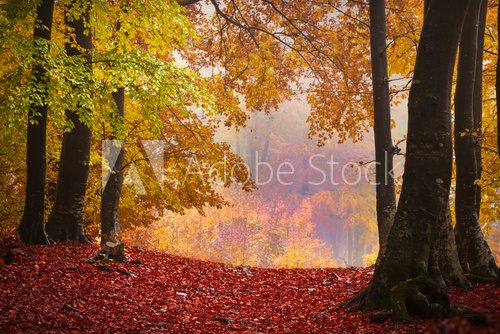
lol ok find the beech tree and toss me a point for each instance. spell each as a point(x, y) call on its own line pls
point(384, 150)
point(498, 81)
point(66, 220)
point(402, 277)
point(32, 226)
point(475, 255)
point(110, 202)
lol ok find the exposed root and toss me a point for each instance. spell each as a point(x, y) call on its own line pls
point(111, 252)
point(482, 279)
point(419, 296)
point(355, 303)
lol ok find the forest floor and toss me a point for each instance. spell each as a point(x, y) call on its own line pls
point(51, 289)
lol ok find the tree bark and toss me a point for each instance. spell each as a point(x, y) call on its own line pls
point(449, 263)
point(498, 80)
point(32, 227)
point(447, 270)
point(66, 220)
point(476, 257)
point(110, 201)
point(385, 190)
point(402, 276)
point(478, 98)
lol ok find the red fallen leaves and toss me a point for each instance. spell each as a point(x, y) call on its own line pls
point(50, 289)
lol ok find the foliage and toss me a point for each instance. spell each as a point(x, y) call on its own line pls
point(135, 45)
point(53, 289)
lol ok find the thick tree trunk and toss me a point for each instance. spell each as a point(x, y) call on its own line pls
point(476, 257)
point(402, 277)
point(66, 220)
point(386, 194)
point(32, 227)
point(447, 271)
point(110, 201)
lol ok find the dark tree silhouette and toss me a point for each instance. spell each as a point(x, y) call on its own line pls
point(32, 227)
point(110, 202)
point(402, 278)
point(66, 220)
point(475, 255)
point(384, 151)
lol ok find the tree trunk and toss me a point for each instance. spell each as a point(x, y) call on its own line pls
point(110, 227)
point(498, 80)
point(267, 140)
point(349, 246)
point(476, 257)
point(478, 98)
point(446, 268)
point(402, 277)
point(449, 263)
point(66, 220)
point(32, 227)
point(386, 194)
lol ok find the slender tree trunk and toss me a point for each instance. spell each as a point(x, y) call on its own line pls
point(267, 140)
point(478, 98)
point(66, 220)
point(476, 257)
point(402, 276)
point(32, 227)
point(498, 80)
point(238, 145)
point(252, 150)
point(110, 202)
point(349, 246)
point(386, 194)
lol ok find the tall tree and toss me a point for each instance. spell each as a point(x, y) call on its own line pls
point(110, 202)
point(386, 194)
point(402, 276)
point(498, 80)
point(445, 264)
point(475, 255)
point(66, 220)
point(32, 227)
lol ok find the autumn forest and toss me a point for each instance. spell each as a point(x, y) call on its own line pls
point(255, 166)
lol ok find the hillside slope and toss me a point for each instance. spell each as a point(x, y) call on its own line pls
point(51, 289)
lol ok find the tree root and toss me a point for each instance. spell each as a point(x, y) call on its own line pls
point(419, 296)
point(111, 252)
point(355, 303)
point(474, 278)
